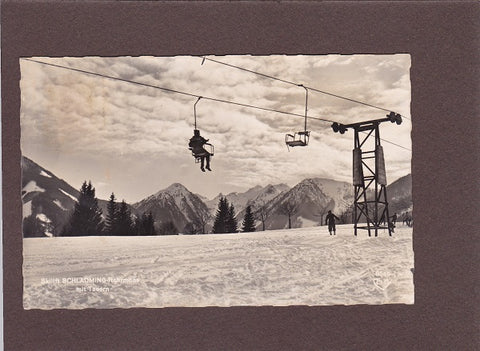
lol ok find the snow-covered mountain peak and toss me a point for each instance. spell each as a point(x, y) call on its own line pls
point(308, 182)
point(306, 185)
point(47, 200)
point(338, 191)
point(44, 194)
point(306, 190)
point(174, 203)
point(255, 188)
point(29, 165)
point(175, 190)
point(277, 188)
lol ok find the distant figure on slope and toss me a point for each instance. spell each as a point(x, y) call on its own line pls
point(196, 145)
point(392, 223)
point(330, 220)
point(407, 219)
point(410, 221)
point(394, 218)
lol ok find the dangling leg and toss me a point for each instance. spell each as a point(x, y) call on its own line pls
point(208, 162)
point(202, 162)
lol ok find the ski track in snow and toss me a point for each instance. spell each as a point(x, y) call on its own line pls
point(284, 267)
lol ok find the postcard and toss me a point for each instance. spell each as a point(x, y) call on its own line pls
point(238, 180)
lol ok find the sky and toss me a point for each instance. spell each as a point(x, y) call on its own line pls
point(132, 140)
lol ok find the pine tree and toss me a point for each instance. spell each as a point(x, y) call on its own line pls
point(137, 222)
point(232, 226)
point(111, 220)
point(168, 228)
point(248, 224)
point(124, 222)
point(145, 225)
point(86, 218)
point(32, 227)
point(149, 225)
point(138, 225)
point(191, 228)
point(221, 217)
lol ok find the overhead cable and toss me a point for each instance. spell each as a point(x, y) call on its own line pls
point(297, 84)
point(178, 91)
point(391, 142)
point(189, 94)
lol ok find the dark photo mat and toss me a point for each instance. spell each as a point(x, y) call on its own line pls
point(442, 39)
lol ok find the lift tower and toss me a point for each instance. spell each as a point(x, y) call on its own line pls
point(369, 176)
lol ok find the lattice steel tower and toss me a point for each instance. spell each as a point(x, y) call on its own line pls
point(370, 206)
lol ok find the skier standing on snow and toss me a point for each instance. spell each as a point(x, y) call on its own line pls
point(330, 220)
point(392, 223)
point(407, 219)
point(394, 218)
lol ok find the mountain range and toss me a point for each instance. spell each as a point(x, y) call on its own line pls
point(47, 199)
point(48, 202)
point(177, 204)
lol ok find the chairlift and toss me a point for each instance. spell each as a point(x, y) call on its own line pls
point(300, 138)
point(198, 156)
point(297, 139)
point(206, 148)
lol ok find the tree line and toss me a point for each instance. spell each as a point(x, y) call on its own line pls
point(226, 222)
point(86, 218)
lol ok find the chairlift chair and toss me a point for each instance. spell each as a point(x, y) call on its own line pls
point(300, 138)
point(209, 148)
point(297, 139)
point(198, 157)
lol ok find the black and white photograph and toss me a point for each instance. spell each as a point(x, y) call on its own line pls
point(195, 181)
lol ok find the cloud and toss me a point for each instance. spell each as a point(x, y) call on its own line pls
point(73, 114)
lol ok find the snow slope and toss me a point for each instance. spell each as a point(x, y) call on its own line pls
point(303, 266)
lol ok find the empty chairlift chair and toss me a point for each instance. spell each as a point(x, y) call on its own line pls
point(297, 139)
point(300, 138)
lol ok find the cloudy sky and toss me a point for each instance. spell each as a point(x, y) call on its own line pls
point(132, 140)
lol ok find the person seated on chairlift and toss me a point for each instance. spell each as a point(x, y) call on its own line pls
point(196, 145)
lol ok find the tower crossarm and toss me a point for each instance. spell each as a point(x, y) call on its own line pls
point(367, 125)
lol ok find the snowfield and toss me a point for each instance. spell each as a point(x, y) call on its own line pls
point(32, 187)
point(303, 266)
